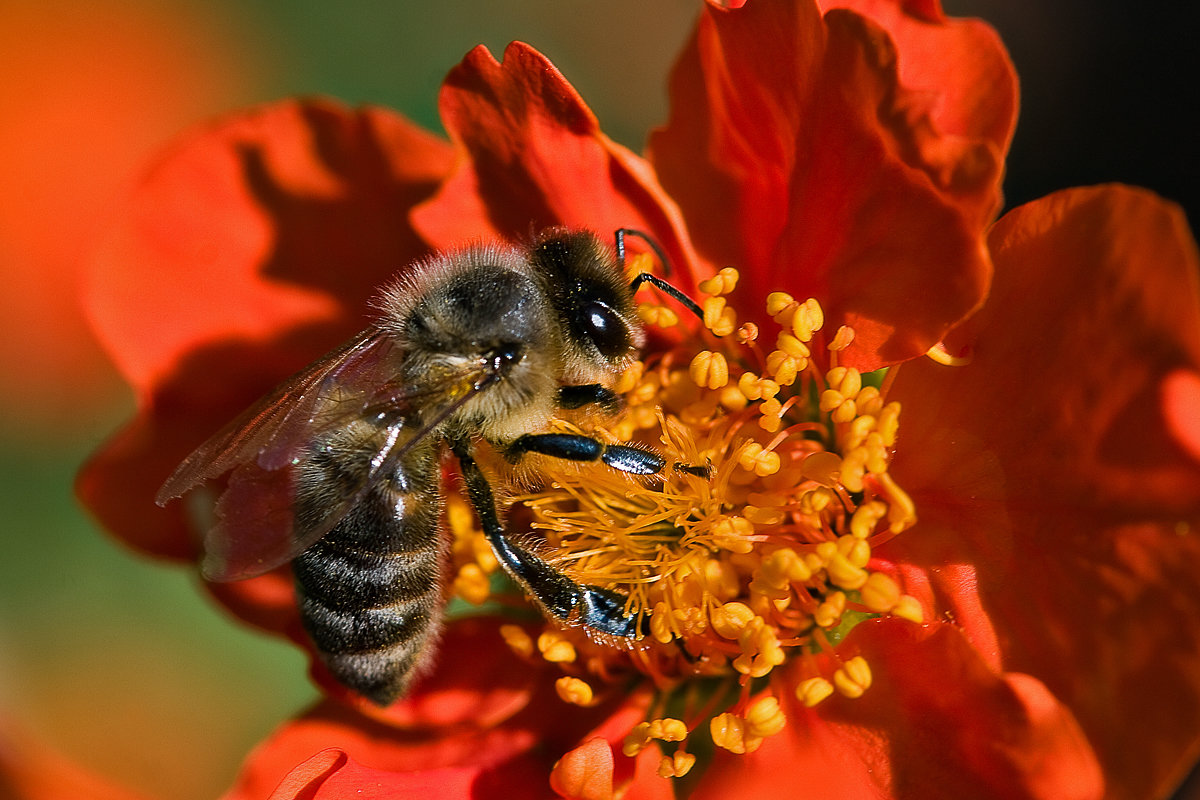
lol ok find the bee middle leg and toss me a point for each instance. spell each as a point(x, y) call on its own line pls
point(594, 606)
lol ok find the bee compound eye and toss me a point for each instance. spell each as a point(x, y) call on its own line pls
point(606, 330)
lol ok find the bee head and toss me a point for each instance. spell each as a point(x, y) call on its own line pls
point(591, 297)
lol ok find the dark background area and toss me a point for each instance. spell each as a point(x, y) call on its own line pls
point(1109, 92)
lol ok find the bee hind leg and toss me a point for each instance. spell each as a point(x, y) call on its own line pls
point(598, 608)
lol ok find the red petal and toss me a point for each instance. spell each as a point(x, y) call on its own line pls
point(1081, 497)
point(333, 775)
point(479, 715)
point(798, 155)
point(585, 773)
point(961, 62)
point(249, 250)
point(532, 156)
point(937, 722)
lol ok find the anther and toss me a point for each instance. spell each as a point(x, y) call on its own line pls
point(517, 640)
point(709, 370)
point(853, 678)
point(574, 690)
point(718, 317)
point(721, 283)
point(812, 691)
point(555, 648)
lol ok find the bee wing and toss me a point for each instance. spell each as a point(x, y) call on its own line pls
point(256, 527)
point(277, 428)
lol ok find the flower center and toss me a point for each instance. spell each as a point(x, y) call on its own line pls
point(753, 548)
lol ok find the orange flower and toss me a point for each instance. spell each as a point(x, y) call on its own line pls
point(966, 578)
point(71, 139)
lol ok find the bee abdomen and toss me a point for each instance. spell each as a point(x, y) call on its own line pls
point(370, 592)
point(378, 579)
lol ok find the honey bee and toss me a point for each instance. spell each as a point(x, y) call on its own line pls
point(339, 469)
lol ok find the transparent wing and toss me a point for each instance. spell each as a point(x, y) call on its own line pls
point(275, 429)
point(257, 526)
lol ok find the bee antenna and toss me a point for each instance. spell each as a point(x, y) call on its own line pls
point(653, 280)
point(620, 235)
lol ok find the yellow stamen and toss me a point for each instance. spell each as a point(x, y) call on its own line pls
point(909, 608)
point(729, 731)
point(747, 332)
point(939, 354)
point(813, 691)
point(677, 765)
point(517, 640)
point(575, 691)
point(880, 593)
point(755, 547)
point(472, 585)
point(853, 678)
point(764, 717)
point(658, 316)
point(842, 339)
point(779, 302)
point(709, 370)
point(721, 283)
point(554, 647)
point(718, 317)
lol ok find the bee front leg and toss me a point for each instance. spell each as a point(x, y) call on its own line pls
point(577, 447)
point(596, 607)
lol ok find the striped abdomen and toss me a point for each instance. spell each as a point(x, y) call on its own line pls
point(370, 591)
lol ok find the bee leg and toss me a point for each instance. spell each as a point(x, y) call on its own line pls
point(588, 394)
point(577, 447)
point(593, 606)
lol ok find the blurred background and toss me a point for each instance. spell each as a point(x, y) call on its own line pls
point(122, 665)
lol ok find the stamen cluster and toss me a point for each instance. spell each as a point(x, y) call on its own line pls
point(753, 548)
